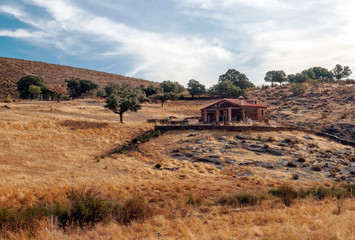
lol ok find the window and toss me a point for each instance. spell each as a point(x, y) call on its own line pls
point(262, 112)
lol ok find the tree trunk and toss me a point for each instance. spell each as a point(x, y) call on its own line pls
point(162, 103)
point(121, 117)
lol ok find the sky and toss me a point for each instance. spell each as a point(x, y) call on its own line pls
point(179, 40)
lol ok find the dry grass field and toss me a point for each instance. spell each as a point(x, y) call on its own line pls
point(48, 148)
point(11, 70)
point(329, 107)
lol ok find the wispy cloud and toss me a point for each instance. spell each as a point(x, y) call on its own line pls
point(158, 56)
point(288, 35)
point(206, 38)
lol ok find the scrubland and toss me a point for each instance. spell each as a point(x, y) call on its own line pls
point(48, 148)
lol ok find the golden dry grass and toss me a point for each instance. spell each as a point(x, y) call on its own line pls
point(47, 148)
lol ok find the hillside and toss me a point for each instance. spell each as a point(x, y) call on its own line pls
point(328, 107)
point(198, 184)
point(11, 70)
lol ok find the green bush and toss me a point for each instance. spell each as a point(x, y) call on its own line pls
point(87, 208)
point(23, 219)
point(322, 192)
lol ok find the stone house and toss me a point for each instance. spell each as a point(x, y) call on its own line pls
point(233, 110)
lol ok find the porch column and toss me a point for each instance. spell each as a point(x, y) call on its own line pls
point(229, 114)
point(217, 115)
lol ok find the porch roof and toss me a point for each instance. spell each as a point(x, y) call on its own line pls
point(237, 102)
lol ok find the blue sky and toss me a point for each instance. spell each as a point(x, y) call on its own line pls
point(181, 39)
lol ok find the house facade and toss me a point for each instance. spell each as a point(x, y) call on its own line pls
point(233, 110)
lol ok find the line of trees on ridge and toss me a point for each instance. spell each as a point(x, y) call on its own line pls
point(124, 98)
point(315, 73)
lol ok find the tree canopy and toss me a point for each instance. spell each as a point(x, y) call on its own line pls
point(237, 78)
point(318, 73)
point(127, 100)
point(340, 72)
point(24, 84)
point(57, 90)
point(34, 90)
point(297, 78)
point(169, 91)
point(78, 88)
point(226, 89)
point(151, 90)
point(275, 76)
point(171, 87)
point(194, 87)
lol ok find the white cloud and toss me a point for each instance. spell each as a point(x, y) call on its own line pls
point(291, 35)
point(158, 56)
point(217, 4)
point(19, 33)
point(252, 36)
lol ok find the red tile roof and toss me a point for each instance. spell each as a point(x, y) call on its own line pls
point(246, 102)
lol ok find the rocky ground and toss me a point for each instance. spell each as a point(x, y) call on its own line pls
point(288, 155)
point(326, 107)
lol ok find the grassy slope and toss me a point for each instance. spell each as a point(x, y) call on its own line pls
point(11, 70)
point(48, 147)
point(322, 104)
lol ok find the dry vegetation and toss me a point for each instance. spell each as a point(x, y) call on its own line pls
point(329, 107)
point(11, 70)
point(49, 148)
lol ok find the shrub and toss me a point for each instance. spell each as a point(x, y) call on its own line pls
point(246, 199)
point(322, 192)
point(241, 199)
point(8, 99)
point(312, 126)
point(316, 168)
point(87, 208)
point(295, 176)
point(298, 89)
point(303, 193)
point(23, 219)
point(301, 159)
point(134, 208)
point(194, 200)
point(286, 193)
point(271, 139)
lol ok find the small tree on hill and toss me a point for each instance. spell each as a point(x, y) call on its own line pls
point(194, 87)
point(275, 76)
point(172, 87)
point(318, 73)
point(169, 91)
point(127, 100)
point(340, 72)
point(35, 91)
point(79, 88)
point(164, 97)
point(226, 89)
point(112, 88)
point(57, 91)
point(237, 78)
point(151, 90)
point(24, 84)
point(297, 78)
